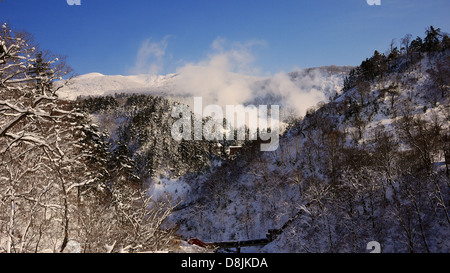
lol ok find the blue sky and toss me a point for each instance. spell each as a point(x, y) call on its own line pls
point(108, 36)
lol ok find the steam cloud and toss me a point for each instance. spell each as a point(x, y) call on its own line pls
point(228, 76)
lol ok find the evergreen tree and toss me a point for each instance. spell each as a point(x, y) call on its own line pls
point(416, 45)
point(431, 41)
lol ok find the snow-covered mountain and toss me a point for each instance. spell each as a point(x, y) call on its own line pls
point(96, 84)
point(298, 90)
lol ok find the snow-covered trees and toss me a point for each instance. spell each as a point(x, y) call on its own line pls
point(141, 129)
point(410, 53)
point(57, 174)
point(440, 76)
point(369, 166)
point(32, 140)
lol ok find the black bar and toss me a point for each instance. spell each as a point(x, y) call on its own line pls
point(242, 262)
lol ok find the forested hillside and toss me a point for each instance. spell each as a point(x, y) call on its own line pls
point(103, 173)
point(370, 165)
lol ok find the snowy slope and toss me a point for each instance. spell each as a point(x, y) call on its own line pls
point(243, 199)
point(96, 84)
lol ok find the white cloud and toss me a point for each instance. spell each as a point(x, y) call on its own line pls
point(228, 75)
point(300, 94)
point(224, 77)
point(150, 57)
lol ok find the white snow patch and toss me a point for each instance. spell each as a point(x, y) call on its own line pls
point(177, 189)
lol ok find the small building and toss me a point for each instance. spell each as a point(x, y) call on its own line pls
point(233, 151)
